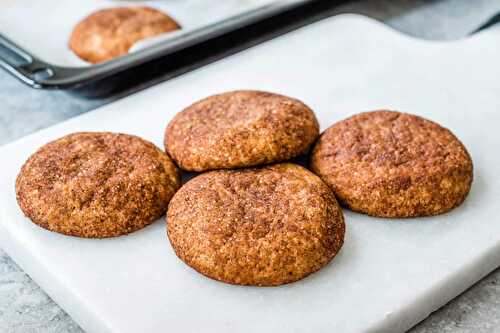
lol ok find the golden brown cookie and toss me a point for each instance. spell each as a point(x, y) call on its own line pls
point(265, 227)
point(392, 164)
point(110, 33)
point(240, 129)
point(96, 184)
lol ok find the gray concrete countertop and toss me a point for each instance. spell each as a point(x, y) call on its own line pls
point(24, 307)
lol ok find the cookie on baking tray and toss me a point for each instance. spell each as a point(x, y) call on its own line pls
point(392, 164)
point(262, 226)
point(96, 184)
point(240, 129)
point(110, 33)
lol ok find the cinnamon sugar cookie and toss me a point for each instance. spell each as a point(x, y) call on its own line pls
point(110, 33)
point(240, 129)
point(393, 164)
point(263, 226)
point(96, 184)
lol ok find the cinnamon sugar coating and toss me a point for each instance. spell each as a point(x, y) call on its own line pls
point(240, 129)
point(111, 32)
point(263, 226)
point(392, 164)
point(96, 184)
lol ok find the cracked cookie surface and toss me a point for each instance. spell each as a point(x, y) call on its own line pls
point(392, 164)
point(240, 129)
point(96, 184)
point(263, 226)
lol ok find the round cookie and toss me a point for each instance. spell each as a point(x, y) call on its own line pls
point(110, 33)
point(264, 226)
point(392, 164)
point(96, 184)
point(240, 129)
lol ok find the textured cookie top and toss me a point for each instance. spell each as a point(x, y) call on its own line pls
point(96, 184)
point(240, 129)
point(265, 226)
point(110, 33)
point(388, 163)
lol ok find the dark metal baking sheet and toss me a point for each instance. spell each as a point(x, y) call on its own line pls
point(176, 55)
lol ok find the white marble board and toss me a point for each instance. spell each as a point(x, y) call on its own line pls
point(390, 273)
